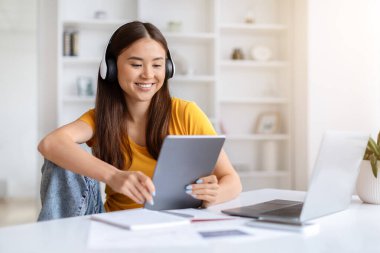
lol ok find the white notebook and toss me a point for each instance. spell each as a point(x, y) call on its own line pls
point(138, 219)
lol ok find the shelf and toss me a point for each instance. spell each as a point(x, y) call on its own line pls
point(261, 174)
point(252, 63)
point(94, 23)
point(257, 137)
point(193, 78)
point(265, 100)
point(253, 27)
point(191, 36)
point(77, 99)
point(72, 60)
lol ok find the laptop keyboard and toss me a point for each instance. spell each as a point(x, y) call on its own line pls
point(290, 211)
point(273, 205)
point(255, 211)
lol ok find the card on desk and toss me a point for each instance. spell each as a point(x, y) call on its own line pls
point(139, 219)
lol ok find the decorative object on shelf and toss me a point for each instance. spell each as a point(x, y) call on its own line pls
point(261, 53)
point(269, 155)
point(268, 123)
point(174, 26)
point(70, 43)
point(84, 86)
point(249, 17)
point(237, 54)
point(181, 66)
point(100, 14)
point(368, 183)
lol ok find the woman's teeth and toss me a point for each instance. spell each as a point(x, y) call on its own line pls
point(145, 85)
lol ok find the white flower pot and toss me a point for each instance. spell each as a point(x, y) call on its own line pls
point(367, 186)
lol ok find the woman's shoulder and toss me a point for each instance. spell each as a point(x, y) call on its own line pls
point(179, 104)
point(89, 117)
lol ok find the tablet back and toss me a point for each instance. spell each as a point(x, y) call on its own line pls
point(182, 160)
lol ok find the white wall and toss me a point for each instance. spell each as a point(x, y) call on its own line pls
point(343, 68)
point(300, 155)
point(18, 96)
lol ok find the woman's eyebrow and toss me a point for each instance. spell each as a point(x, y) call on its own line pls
point(135, 58)
point(141, 59)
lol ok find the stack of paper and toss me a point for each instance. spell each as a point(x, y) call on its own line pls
point(138, 219)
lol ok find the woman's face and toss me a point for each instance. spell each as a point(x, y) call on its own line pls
point(141, 69)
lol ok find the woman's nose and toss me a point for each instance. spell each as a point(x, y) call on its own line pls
point(147, 72)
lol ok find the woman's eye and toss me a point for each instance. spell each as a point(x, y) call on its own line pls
point(156, 65)
point(136, 65)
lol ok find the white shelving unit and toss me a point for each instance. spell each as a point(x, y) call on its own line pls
point(233, 93)
point(247, 88)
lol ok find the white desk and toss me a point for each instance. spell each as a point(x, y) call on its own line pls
point(354, 230)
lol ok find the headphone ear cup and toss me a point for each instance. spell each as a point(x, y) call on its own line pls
point(111, 70)
point(169, 69)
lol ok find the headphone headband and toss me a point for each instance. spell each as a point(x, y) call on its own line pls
point(108, 66)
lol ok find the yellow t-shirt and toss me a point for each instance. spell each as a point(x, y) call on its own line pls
point(187, 119)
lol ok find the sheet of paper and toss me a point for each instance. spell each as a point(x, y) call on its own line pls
point(201, 214)
point(103, 236)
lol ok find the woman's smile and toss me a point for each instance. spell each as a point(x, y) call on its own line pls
point(145, 86)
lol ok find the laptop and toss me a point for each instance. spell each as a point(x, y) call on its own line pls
point(183, 159)
point(331, 186)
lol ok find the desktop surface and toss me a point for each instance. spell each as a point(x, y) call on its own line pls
point(353, 230)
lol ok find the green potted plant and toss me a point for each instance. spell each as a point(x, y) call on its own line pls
point(372, 153)
point(368, 184)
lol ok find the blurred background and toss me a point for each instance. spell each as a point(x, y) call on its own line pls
point(272, 75)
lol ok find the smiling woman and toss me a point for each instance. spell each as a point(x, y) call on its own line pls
point(133, 113)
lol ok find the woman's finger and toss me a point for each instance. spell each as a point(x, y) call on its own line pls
point(202, 186)
point(205, 198)
point(133, 194)
point(144, 192)
point(147, 182)
point(211, 179)
point(211, 192)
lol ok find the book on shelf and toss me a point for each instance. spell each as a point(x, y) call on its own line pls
point(70, 43)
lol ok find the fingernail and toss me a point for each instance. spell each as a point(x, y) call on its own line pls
point(189, 187)
point(154, 194)
point(189, 192)
point(151, 202)
point(199, 181)
point(193, 195)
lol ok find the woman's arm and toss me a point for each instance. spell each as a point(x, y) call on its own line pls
point(62, 147)
point(222, 186)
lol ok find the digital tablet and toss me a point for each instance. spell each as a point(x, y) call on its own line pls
point(182, 161)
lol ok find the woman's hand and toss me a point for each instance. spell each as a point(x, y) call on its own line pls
point(206, 189)
point(133, 184)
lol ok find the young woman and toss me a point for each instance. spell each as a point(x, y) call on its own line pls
point(133, 113)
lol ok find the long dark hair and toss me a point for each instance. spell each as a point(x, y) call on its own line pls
point(111, 110)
